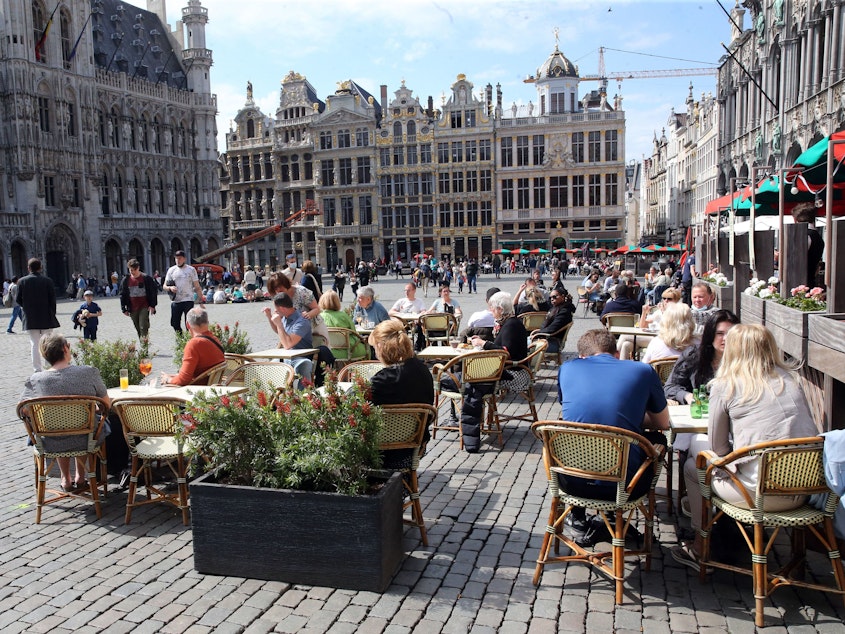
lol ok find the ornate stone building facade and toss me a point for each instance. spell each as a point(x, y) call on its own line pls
point(396, 178)
point(108, 137)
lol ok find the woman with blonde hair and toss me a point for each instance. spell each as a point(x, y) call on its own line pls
point(677, 333)
point(404, 379)
point(755, 397)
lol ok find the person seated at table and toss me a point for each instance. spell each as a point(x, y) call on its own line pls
point(367, 309)
point(559, 315)
point(202, 351)
point(405, 379)
point(611, 281)
point(510, 335)
point(698, 364)
point(294, 333)
point(533, 301)
point(481, 322)
point(445, 304)
point(539, 295)
point(303, 299)
point(334, 317)
point(408, 304)
point(676, 334)
point(651, 315)
point(64, 379)
point(702, 297)
point(635, 402)
point(624, 301)
point(594, 289)
point(755, 397)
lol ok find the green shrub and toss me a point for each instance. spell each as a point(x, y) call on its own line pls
point(234, 340)
point(110, 357)
point(307, 440)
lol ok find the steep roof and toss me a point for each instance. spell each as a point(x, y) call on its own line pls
point(132, 40)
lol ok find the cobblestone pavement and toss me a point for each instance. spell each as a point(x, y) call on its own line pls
point(485, 515)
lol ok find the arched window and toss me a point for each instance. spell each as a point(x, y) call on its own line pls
point(186, 192)
point(39, 34)
point(114, 127)
point(156, 134)
point(177, 198)
point(412, 130)
point(118, 203)
point(397, 132)
point(148, 194)
point(104, 195)
point(143, 134)
point(69, 113)
point(160, 191)
point(67, 41)
point(250, 129)
point(101, 125)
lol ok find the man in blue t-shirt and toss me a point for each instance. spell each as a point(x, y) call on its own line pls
point(600, 389)
point(294, 333)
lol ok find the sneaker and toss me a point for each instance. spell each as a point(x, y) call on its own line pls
point(10, 332)
point(576, 527)
point(685, 556)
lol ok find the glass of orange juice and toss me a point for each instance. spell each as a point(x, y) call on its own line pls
point(124, 380)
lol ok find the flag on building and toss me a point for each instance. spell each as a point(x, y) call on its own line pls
point(39, 45)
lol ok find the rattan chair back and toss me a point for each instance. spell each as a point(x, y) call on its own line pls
point(270, 375)
point(663, 367)
point(363, 369)
point(533, 320)
point(438, 327)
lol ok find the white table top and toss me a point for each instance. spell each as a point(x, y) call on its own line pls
point(281, 353)
point(439, 353)
point(680, 421)
point(407, 316)
point(184, 392)
point(631, 330)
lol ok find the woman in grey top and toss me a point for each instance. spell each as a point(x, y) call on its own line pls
point(64, 379)
point(755, 397)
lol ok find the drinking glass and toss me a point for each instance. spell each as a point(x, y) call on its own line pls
point(145, 366)
point(124, 379)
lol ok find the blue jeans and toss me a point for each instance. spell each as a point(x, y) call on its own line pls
point(471, 281)
point(17, 313)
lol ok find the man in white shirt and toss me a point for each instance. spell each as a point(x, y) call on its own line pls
point(293, 274)
point(481, 323)
point(407, 304)
point(181, 282)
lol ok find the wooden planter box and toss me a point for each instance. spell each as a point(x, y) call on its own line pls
point(752, 309)
point(790, 328)
point(317, 539)
point(826, 344)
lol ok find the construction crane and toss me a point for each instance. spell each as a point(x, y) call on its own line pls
point(603, 75)
point(310, 209)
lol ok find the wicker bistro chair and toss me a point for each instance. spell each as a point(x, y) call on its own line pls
point(524, 373)
point(342, 343)
point(584, 298)
point(663, 367)
point(560, 336)
point(619, 319)
point(364, 369)
point(596, 452)
point(438, 327)
point(212, 376)
point(271, 375)
point(476, 368)
point(404, 428)
point(52, 424)
point(786, 468)
point(150, 427)
point(233, 362)
point(533, 320)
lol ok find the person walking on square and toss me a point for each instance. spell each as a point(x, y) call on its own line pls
point(91, 312)
point(37, 299)
point(181, 281)
point(138, 297)
point(16, 309)
point(472, 275)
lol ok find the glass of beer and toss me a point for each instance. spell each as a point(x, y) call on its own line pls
point(124, 380)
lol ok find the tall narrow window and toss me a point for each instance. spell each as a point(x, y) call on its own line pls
point(578, 196)
point(558, 191)
point(539, 193)
point(522, 193)
point(611, 145)
point(539, 142)
point(329, 211)
point(578, 147)
point(347, 216)
point(67, 43)
point(522, 150)
point(44, 114)
point(364, 171)
point(507, 194)
point(611, 189)
point(507, 152)
point(594, 139)
point(365, 210)
point(595, 190)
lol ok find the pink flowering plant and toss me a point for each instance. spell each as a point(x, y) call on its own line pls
point(310, 440)
point(805, 299)
point(233, 339)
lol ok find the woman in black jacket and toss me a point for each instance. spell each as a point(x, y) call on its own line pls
point(509, 332)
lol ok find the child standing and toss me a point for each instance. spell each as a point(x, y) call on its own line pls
point(91, 312)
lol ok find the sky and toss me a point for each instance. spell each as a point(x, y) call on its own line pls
point(427, 43)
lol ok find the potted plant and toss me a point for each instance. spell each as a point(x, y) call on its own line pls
point(752, 302)
point(788, 318)
point(289, 491)
point(234, 340)
point(110, 357)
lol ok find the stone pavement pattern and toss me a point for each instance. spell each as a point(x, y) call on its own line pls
point(485, 515)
